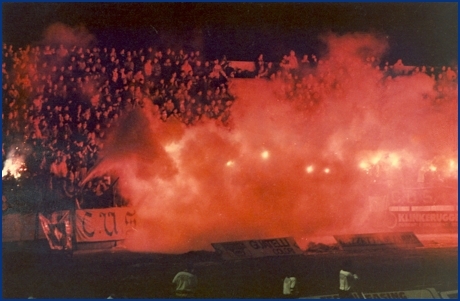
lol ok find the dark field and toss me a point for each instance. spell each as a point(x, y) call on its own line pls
point(97, 274)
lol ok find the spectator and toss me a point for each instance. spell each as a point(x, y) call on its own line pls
point(185, 283)
point(293, 64)
point(45, 92)
point(290, 288)
point(346, 280)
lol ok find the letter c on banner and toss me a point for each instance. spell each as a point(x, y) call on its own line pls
point(89, 214)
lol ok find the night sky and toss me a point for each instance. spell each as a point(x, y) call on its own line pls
point(418, 33)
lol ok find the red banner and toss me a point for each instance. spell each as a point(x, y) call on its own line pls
point(104, 224)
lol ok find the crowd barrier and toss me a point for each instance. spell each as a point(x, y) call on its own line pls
point(60, 227)
point(428, 293)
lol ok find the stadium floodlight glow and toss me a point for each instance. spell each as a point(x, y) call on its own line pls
point(230, 163)
point(432, 168)
point(309, 169)
point(327, 170)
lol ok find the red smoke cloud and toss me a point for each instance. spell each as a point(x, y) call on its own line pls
point(59, 33)
point(288, 167)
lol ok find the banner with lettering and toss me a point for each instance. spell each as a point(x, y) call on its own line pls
point(428, 293)
point(58, 229)
point(449, 294)
point(104, 224)
point(437, 216)
point(257, 248)
point(243, 65)
point(378, 240)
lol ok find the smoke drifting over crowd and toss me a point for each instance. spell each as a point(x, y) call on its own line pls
point(59, 33)
point(286, 167)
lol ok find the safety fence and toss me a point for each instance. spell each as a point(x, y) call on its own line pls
point(64, 228)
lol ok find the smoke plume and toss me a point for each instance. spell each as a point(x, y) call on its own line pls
point(59, 33)
point(289, 166)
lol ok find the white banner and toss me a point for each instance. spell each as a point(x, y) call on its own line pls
point(19, 227)
point(428, 293)
point(104, 224)
point(11, 227)
point(435, 216)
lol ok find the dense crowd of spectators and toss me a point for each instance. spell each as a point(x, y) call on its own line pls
point(59, 103)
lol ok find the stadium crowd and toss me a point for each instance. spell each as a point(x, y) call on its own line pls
point(58, 104)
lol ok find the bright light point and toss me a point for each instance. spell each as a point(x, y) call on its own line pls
point(364, 165)
point(376, 159)
point(432, 168)
point(265, 155)
point(230, 163)
point(172, 147)
point(394, 160)
point(327, 170)
point(309, 169)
